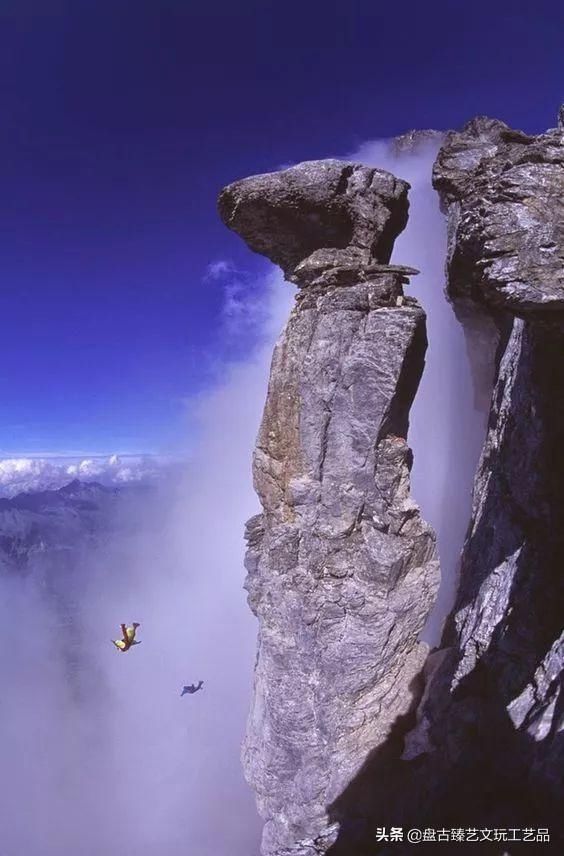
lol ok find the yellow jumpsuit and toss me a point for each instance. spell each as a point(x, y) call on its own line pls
point(127, 638)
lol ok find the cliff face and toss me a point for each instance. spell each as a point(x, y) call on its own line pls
point(342, 571)
point(353, 726)
point(494, 710)
point(502, 190)
point(487, 748)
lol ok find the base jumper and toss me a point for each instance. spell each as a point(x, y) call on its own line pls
point(127, 637)
point(192, 688)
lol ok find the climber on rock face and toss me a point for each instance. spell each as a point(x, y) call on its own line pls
point(127, 637)
point(192, 688)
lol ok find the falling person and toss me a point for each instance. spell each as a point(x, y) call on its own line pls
point(127, 637)
point(192, 688)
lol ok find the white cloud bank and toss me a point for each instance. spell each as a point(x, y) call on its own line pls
point(24, 475)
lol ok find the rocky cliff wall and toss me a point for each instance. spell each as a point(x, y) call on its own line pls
point(494, 713)
point(353, 727)
point(486, 749)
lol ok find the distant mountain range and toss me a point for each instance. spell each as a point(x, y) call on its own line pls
point(19, 474)
point(53, 528)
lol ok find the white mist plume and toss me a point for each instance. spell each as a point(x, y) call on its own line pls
point(100, 754)
point(446, 430)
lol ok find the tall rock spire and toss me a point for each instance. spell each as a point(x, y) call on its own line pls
point(342, 570)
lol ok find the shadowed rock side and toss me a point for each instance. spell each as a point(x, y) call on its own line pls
point(504, 193)
point(485, 747)
point(316, 205)
point(342, 571)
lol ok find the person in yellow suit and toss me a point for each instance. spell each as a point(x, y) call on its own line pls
point(127, 637)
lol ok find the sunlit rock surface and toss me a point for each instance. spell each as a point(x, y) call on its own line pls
point(342, 570)
point(504, 191)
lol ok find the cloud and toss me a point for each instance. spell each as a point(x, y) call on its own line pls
point(18, 475)
point(98, 747)
point(220, 269)
point(244, 310)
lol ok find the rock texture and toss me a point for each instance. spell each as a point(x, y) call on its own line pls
point(504, 193)
point(317, 205)
point(342, 570)
point(487, 744)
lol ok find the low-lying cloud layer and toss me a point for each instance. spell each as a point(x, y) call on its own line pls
point(19, 475)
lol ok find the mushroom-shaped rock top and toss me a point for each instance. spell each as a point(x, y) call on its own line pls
point(288, 215)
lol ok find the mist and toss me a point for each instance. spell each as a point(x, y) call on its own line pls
point(449, 414)
point(98, 750)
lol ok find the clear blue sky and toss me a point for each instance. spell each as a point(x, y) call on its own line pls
point(120, 121)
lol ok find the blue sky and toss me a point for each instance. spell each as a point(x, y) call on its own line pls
point(121, 121)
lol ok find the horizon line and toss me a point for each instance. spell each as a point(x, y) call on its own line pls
point(6, 456)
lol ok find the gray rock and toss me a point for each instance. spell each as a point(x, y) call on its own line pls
point(538, 708)
point(352, 725)
point(316, 205)
point(504, 191)
point(342, 570)
point(488, 741)
point(485, 746)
